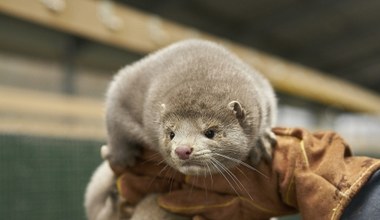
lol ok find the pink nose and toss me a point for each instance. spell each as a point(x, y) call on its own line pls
point(184, 152)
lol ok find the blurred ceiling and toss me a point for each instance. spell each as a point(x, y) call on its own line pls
point(340, 37)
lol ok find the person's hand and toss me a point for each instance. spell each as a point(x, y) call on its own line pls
point(313, 173)
point(215, 196)
point(149, 175)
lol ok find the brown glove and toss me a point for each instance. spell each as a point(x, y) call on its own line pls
point(312, 173)
point(149, 175)
point(212, 197)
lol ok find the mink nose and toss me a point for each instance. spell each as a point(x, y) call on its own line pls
point(184, 152)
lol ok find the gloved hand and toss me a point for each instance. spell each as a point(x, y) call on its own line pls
point(216, 196)
point(312, 173)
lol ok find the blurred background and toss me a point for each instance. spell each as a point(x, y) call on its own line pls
point(58, 56)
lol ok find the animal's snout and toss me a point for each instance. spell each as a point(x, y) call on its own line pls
point(184, 152)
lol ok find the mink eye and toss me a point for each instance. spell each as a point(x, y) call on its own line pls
point(210, 133)
point(171, 135)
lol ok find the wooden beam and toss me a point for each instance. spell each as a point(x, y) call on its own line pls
point(38, 113)
point(124, 27)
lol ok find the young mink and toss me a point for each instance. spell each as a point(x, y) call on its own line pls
point(195, 103)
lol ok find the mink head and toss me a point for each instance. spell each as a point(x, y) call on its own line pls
point(199, 140)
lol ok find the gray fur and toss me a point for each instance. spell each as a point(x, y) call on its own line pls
point(99, 201)
point(188, 88)
point(193, 80)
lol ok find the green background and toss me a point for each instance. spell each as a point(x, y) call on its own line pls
point(44, 178)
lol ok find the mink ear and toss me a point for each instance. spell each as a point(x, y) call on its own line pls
point(238, 110)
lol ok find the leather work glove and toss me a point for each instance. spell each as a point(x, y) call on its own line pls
point(311, 173)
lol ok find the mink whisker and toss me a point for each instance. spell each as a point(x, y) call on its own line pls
point(242, 163)
point(235, 179)
point(215, 164)
point(155, 177)
point(209, 170)
point(153, 157)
